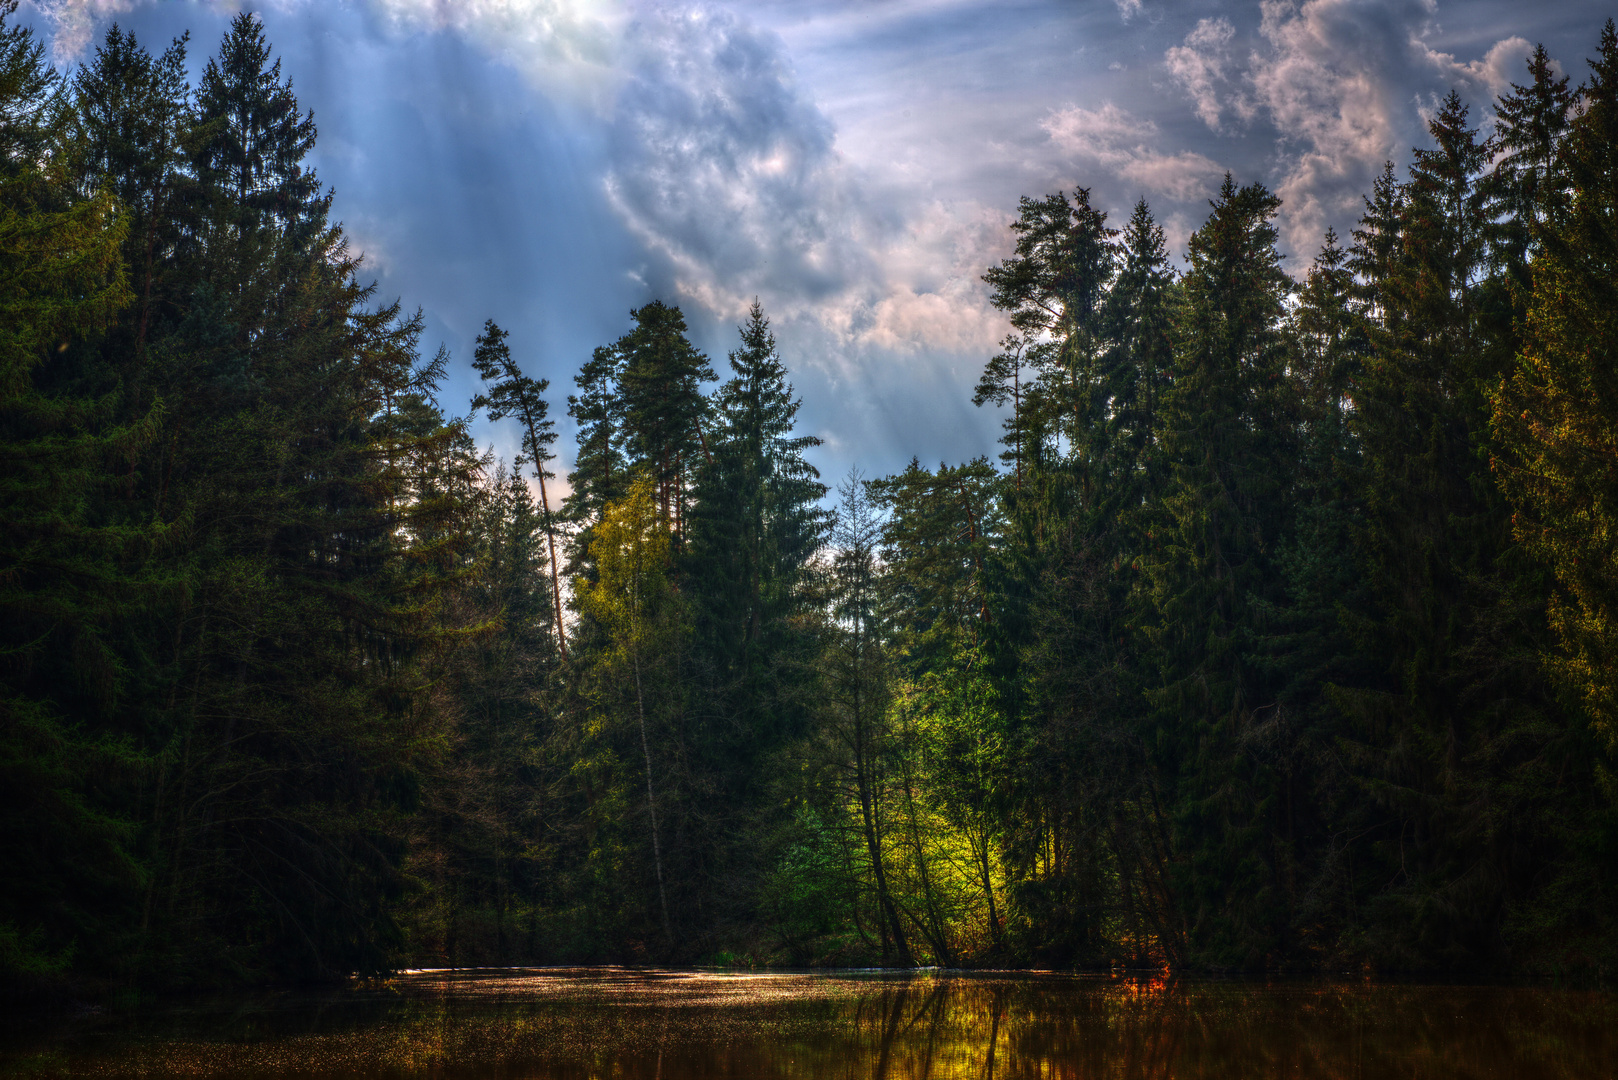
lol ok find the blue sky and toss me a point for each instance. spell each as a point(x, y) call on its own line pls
point(852, 163)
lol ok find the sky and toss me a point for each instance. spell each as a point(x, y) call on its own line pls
point(852, 164)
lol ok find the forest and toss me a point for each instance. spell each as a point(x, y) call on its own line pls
point(1282, 636)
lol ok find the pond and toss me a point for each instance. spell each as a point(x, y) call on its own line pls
point(621, 1023)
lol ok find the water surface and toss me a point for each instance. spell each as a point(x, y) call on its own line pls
point(623, 1024)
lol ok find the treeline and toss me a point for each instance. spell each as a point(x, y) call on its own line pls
point(1284, 636)
point(1279, 638)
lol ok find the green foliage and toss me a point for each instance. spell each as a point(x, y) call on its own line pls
point(663, 408)
point(516, 395)
point(1282, 639)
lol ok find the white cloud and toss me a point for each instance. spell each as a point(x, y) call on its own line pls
point(74, 22)
point(562, 46)
point(1096, 131)
point(1200, 66)
point(1119, 142)
point(1337, 79)
point(1128, 9)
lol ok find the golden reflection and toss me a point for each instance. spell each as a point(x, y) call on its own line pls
point(619, 1024)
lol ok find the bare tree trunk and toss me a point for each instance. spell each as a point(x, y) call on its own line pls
point(890, 911)
point(988, 887)
point(550, 530)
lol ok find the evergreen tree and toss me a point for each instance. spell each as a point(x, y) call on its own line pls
point(858, 691)
point(1378, 248)
point(322, 541)
point(601, 473)
point(515, 394)
point(1229, 441)
point(133, 129)
point(1449, 620)
point(1530, 122)
point(1054, 287)
point(754, 526)
point(1002, 382)
point(937, 542)
point(256, 141)
point(72, 579)
point(643, 623)
point(663, 407)
point(1139, 365)
point(1555, 414)
point(756, 506)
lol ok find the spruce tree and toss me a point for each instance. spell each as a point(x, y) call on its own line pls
point(1228, 439)
point(133, 128)
point(759, 498)
point(256, 140)
point(1138, 367)
point(755, 524)
point(1556, 414)
point(74, 576)
point(664, 410)
point(937, 544)
point(1054, 287)
point(1004, 382)
point(600, 472)
point(1530, 122)
point(1453, 714)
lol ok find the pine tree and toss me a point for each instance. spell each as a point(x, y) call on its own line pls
point(1054, 287)
point(72, 579)
point(601, 472)
point(663, 407)
point(757, 503)
point(1530, 122)
point(133, 127)
point(515, 394)
point(1447, 618)
point(1003, 382)
point(257, 141)
point(937, 543)
point(324, 534)
point(1378, 248)
point(754, 525)
point(1139, 364)
point(1228, 437)
point(1556, 414)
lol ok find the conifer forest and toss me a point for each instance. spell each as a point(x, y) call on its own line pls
point(1281, 636)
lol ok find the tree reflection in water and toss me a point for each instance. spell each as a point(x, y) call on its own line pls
point(629, 1025)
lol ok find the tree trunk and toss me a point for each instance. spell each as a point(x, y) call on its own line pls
point(651, 802)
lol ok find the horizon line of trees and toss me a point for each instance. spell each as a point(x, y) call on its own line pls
point(1280, 637)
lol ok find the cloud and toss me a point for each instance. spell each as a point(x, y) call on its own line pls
point(1128, 9)
point(718, 162)
point(1200, 65)
point(563, 47)
point(1341, 82)
point(74, 22)
point(1491, 75)
point(1118, 141)
point(731, 179)
point(1096, 131)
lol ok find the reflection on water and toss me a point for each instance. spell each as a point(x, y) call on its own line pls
point(632, 1024)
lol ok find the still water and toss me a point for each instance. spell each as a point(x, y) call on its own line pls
point(615, 1023)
